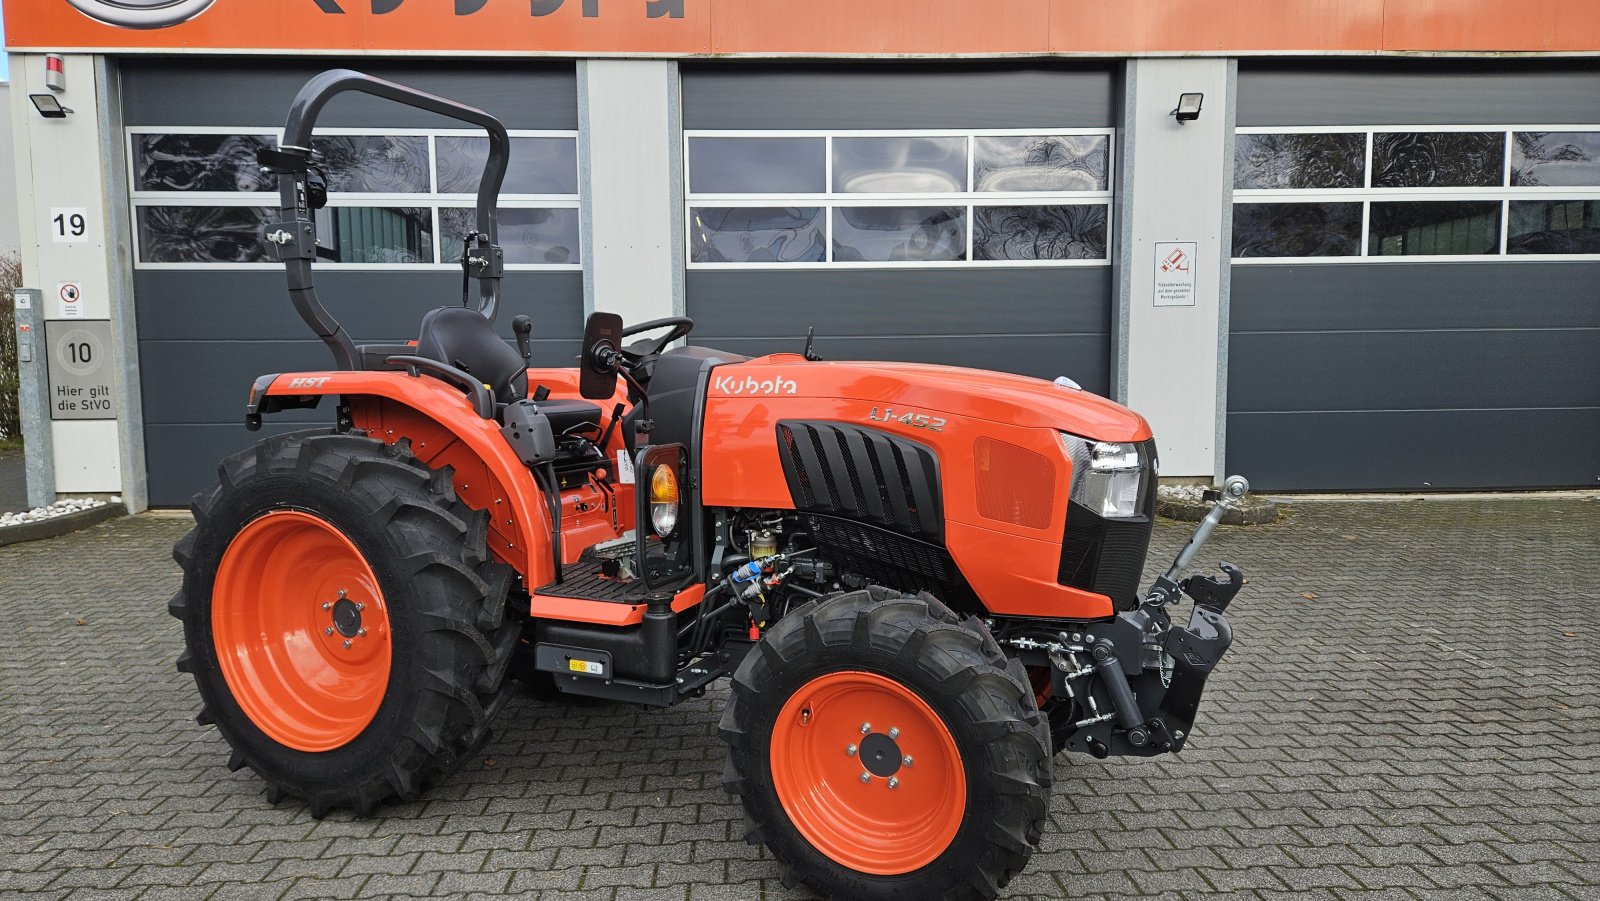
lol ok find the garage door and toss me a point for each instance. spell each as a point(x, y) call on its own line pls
point(1416, 278)
point(213, 313)
point(937, 213)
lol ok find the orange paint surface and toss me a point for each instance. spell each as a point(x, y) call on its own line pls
point(839, 27)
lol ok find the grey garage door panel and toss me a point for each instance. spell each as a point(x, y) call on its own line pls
point(1334, 296)
point(372, 306)
point(183, 459)
point(1456, 449)
point(917, 95)
point(1083, 358)
point(245, 93)
point(1418, 92)
point(1439, 370)
point(874, 302)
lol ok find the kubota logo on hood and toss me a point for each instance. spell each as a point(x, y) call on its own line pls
point(141, 13)
point(732, 384)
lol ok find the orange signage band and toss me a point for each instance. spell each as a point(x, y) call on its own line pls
point(846, 28)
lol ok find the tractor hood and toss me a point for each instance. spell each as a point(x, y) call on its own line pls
point(951, 390)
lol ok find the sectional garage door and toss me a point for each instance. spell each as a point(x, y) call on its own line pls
point(213, 314)
point(1416, 278)
point(955, 214)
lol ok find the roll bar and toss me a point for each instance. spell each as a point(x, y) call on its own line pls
point(293, 238)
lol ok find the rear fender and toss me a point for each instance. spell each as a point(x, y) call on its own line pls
point(444, 430)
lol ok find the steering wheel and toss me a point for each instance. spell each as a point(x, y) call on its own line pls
point(677, 327)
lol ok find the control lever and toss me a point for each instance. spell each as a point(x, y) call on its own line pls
point(522, 327)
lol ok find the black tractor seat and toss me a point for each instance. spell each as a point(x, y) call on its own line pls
point(463, 338)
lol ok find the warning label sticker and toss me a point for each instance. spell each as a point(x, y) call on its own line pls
point(1174, 275)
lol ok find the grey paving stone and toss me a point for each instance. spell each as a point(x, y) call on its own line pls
point(1427, 727)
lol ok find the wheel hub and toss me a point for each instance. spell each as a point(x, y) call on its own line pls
point(347, 617)
point(880, 754)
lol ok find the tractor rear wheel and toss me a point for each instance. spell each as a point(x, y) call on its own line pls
point(342, 619)
point(883, 748)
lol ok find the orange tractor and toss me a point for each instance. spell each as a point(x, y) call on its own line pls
point(923, 580)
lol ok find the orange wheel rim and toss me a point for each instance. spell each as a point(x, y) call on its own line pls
point(301, 630)
point(868, 773)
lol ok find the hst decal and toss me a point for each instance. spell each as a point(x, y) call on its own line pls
point(304, 382)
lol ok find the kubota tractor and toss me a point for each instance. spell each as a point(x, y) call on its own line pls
point(923, 580)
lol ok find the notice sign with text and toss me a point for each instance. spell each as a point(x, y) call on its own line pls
point(83, 382)
point(1174, 283)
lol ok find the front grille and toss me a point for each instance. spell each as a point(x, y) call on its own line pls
point(1107, 556)
point(864, 474)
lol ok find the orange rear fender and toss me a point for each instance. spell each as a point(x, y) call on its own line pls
point(444, 431)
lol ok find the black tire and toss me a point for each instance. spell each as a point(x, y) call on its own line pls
point(450, 640)
point(954, 666)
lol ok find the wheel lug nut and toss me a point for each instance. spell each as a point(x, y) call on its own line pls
point(328, 631)
point(363, 632)
point(865, 728)
point(894, 732)
point(850, 750)
point(906, 760)
point(347, 643)
point(341, 592)
point(866, 777)
point(326, 605)
point(361, 606)
point(893, 782)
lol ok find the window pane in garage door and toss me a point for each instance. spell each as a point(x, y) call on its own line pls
point(200, 162)
point(527, 234)
point(757, 166)
point(375, 164)
point(900, 165)
point(1297, 161)
point(1296, 229)
point(1041, 163)
point(1541, 158)
point(377, 234)
point(878, 234)
point(538, 165)
point(1438, 159)
point(1072, 232)
point(203, 234)
point(756, 235)
point(1554, 226)
point(1432, 227)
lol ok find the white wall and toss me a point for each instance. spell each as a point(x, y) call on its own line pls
point(1176, 186)
point(10, 229)
point(60, 164)
point(630, 165)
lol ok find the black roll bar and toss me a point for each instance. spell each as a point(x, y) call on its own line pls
point(293, 239)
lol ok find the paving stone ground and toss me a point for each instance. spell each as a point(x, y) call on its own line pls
point(1411, 711)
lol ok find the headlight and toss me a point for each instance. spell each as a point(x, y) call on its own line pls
point(1106, 476)
point(663, 500)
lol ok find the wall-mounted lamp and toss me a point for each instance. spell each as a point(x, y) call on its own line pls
point(48, 106)
point(1188, 108)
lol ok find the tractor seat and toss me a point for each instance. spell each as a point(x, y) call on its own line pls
point(463, 338)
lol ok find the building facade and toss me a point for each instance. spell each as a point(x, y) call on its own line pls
point(1370, 259)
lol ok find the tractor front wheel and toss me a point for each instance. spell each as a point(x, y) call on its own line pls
point(882, 748)
point(342, 619)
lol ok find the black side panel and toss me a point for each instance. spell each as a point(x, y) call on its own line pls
point(863, 474)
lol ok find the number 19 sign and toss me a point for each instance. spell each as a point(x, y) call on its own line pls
point(69, 225)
